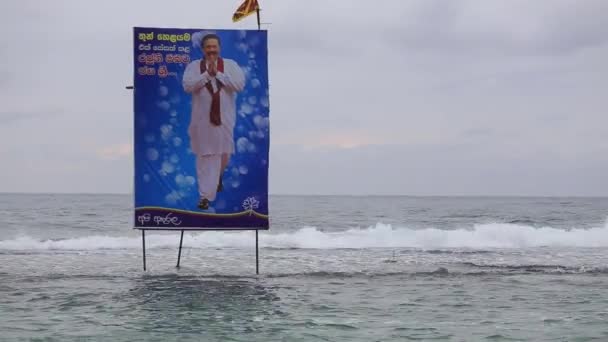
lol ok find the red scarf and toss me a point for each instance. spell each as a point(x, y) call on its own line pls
point(214, 115)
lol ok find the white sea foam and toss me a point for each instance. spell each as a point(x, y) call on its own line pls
point(379, 236)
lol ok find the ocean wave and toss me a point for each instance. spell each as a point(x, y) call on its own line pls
point(439, 272)
point(538, 268)
point(480, 237)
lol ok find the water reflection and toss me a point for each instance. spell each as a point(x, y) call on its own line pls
point(201, 305)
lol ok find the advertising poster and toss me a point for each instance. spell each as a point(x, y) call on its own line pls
point(201, 128)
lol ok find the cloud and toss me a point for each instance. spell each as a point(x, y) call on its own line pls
point(6, 118)
point(114, 152)
point(434, 169)
point(9, 117)
point(6, 77)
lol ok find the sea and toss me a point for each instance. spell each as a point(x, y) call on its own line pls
point(331, 268)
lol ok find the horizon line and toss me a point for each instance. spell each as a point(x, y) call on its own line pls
point(324, 195)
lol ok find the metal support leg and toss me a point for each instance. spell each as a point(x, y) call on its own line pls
point(179, 254)
point(257, 259)
point(143, 245)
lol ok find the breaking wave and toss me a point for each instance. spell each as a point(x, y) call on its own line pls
point(483, 236)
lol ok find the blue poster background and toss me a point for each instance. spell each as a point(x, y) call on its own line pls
point(166, 193)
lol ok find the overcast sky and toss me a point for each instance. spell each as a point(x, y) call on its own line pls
point(366, 97)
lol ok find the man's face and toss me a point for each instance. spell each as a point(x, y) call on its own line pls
point(211, 49)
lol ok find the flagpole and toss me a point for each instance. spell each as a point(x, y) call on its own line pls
point(257, 10)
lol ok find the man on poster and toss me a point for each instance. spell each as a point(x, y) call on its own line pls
point(214, 83)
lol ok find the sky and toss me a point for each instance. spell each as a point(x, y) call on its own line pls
point(390, 97)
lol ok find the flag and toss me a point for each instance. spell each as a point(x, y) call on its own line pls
point(247, 7)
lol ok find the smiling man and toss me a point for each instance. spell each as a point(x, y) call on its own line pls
point(214, 83)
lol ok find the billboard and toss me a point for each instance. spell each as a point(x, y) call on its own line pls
point(201, 128)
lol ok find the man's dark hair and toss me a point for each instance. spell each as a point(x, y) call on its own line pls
point(210, 36)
